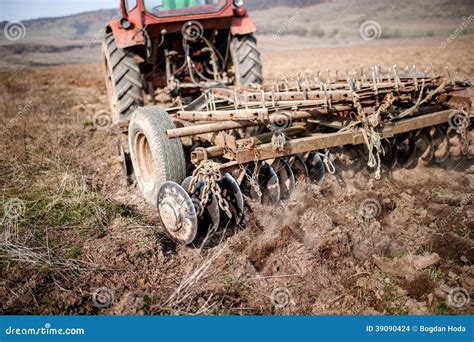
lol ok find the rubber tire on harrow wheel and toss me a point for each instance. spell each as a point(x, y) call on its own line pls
point(156, 159)
point(123, 80)
point(246, 60)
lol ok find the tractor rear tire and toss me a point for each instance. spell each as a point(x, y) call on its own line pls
point(246, 60)
point(156, 158)
point(124, 81)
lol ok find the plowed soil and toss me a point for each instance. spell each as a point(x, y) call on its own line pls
point(85, 228)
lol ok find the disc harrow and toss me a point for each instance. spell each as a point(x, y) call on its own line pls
point(258, 143)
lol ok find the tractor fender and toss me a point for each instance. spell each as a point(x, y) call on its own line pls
point(242, 25)
point(126, 38)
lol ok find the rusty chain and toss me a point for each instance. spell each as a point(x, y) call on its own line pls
point(208, 172)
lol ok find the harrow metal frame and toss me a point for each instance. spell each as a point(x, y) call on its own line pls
point(222, 110)
point(303, 122)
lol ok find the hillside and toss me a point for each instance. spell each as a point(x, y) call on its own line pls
point(336, 18)
point(76, 38)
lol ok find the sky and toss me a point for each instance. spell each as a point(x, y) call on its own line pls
point(17, 10)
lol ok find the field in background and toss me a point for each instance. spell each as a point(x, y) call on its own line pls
point(77, 38)
point(79, 230)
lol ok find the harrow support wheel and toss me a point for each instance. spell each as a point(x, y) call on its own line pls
point(155, 158)
point(177, 213)
point(123, 80)
point(246, 60)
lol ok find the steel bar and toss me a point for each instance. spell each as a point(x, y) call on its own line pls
point(229, 125)
point(327, 140)
point(216, 151)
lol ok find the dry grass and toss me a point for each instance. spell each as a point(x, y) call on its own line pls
point(84, 228)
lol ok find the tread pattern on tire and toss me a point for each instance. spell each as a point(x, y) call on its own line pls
point(246, 58)
point(126, 80)
point(168, 154)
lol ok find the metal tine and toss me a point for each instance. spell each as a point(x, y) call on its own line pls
point(450, 78)
point(262, 94)
point(273, 96)
point(357, 83)
point(213, 102)
point(326, 94)
point(286, 83)
point(415, 76)
point(236, 100)
point(300, 82)
point(317, 79)
point(206, 96)
point(376, 89)
point(374, 79)
point(246, 99)
point(396, 79)
point(377, 72)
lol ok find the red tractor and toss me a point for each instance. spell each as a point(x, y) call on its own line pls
point(177, 47)
point(228, 138)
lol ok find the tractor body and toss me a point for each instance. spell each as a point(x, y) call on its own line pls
point(177, 47)
point(224, 136)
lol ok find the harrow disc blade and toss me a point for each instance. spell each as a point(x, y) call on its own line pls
point(424, 147)
point(406, 146)
point(177, 213)
point(208, 217)
point(232, 194)
point(390, 157)
point(299, 168)
point(269, 185)
point(316, 168)
point(441, 144)
point(286, 178)
point(267, 188)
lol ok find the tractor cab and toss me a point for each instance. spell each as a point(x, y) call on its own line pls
point(178, 48)
point(166, 8)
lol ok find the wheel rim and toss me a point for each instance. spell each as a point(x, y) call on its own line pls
point(146, 163)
